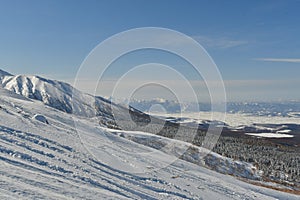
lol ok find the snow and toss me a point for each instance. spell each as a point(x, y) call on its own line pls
point(233, 120)
point(284, 131)
point(37, 165)
point(53, 93)
point(84, 161)
point(270, 135)
point(191, 153)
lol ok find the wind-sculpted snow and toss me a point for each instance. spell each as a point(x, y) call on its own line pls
point(50, 161)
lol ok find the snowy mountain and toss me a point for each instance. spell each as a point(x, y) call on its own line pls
point(43, 155)
point(55, 94)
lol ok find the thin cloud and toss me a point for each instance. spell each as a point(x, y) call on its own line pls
point(220, 43)
point(288, 60)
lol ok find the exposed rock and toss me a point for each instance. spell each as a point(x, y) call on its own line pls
point(41, 118)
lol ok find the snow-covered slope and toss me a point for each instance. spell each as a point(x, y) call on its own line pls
point(192, 153)
point(55, 94)
point(52, 161)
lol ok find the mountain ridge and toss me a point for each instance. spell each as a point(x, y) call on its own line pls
point(56, 94)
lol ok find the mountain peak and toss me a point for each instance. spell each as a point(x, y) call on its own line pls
point(56, 94)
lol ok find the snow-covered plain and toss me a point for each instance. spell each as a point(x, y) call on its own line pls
point(233, 120)
point(238, 121)
point(72, 157)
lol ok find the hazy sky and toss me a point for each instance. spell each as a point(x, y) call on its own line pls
point(255, 44)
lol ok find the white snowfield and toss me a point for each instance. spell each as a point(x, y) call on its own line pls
point(270, 135)
point(58, 160)
point(188, 152)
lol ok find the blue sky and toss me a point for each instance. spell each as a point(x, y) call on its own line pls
point(255, 44)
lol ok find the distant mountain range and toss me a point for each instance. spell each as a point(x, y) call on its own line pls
point(285, 108)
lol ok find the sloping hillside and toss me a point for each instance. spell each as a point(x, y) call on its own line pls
point(58, 160)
